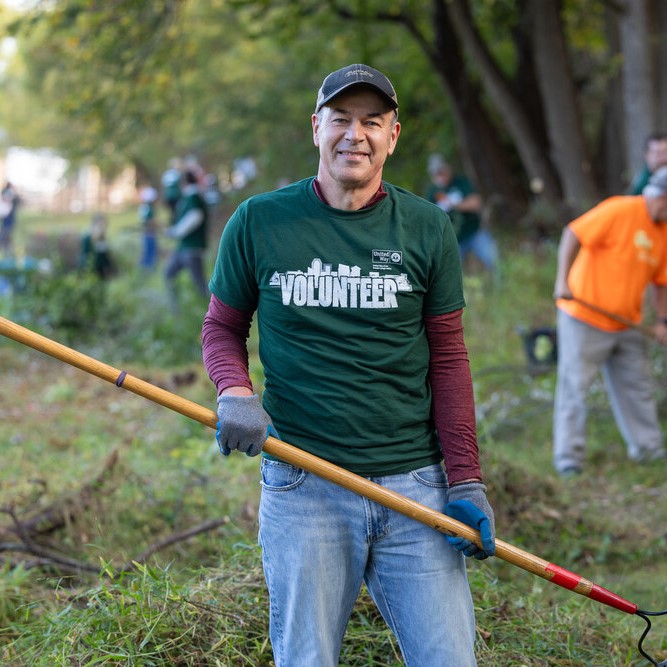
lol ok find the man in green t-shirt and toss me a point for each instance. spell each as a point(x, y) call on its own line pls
point(357, 291)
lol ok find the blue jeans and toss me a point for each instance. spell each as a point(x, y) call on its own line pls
point(483, 246)
point(149, 254)
point(320, 542)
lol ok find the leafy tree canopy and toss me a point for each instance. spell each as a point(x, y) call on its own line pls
point(522, 93)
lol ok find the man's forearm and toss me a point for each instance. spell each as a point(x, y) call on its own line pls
point(568, 248)
point(224, 335)
point(453, 404)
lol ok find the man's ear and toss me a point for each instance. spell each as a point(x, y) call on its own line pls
point(316, 126)
point(395, 131)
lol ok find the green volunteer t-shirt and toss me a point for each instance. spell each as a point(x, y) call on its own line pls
point(340, 299)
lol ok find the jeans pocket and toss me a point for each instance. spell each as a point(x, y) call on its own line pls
point(433, 476)
point(279, 476)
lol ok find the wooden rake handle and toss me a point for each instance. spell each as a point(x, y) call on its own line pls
point(329, 471)
point(643, 328)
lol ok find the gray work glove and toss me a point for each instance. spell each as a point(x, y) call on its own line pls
point(243, 424)
point(467, 503)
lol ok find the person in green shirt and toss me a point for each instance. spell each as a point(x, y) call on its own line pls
point(171, 186)
point(94, 252)
point(190, 230)
point(149, 228)
point(356, 287)
point(655, 156)
point(455, 194)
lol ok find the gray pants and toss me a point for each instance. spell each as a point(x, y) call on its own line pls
point(622, 357)
point(190, 259)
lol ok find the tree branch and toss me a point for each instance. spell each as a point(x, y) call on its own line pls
point(55, 517)
point(397, 18)
point(173, 539)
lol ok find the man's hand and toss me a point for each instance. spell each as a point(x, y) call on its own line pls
point(467, 503)
point(562, 292)
point(660, 332)
point(243, 424)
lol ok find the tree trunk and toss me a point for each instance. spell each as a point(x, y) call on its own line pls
point(487, 159)
point(639, 96)
point(566, 138)
point(541, 173)
point(659, 45)
point(485, 156)
point(610, 158)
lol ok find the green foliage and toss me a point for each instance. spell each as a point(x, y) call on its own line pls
point(143, 82)
point(148, 618)
point(203, 601)
point(66, 303)
point(221, 80)
point(118, 76)
point(78, 308)
point(132, 309)
point(15, 590)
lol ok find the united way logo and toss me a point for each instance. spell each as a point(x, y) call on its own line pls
point(387, 257)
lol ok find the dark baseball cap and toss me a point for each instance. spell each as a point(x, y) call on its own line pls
point(353, 75)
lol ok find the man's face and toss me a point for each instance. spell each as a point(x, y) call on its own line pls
point(443, 177)
point(656, 154)
point(355, 133)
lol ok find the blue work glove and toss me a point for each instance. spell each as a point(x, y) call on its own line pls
point(243, 424)
point(467, 503)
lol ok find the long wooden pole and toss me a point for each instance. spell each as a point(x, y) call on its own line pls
point(643, 328)
point(359, 485)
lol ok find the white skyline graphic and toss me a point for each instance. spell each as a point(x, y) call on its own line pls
point(322, 286)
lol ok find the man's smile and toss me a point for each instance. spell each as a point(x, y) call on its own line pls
point(352, 154)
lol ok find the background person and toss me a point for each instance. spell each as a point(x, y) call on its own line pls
point(147, 218)
point(190, 230)
point(454, 194)
point(357, 290)
point(212, 196)
point(95, 253)
point(9, 202)
point(171, 186)
point(655, 156)
point(607, 257)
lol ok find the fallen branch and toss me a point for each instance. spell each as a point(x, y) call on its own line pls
point(46, 558)
point(64, 513)
point(173, 539)
point(25, 536)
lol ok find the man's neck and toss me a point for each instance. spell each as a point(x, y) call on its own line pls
point(348, 200)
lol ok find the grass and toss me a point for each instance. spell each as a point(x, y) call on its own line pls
point(203, 601)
